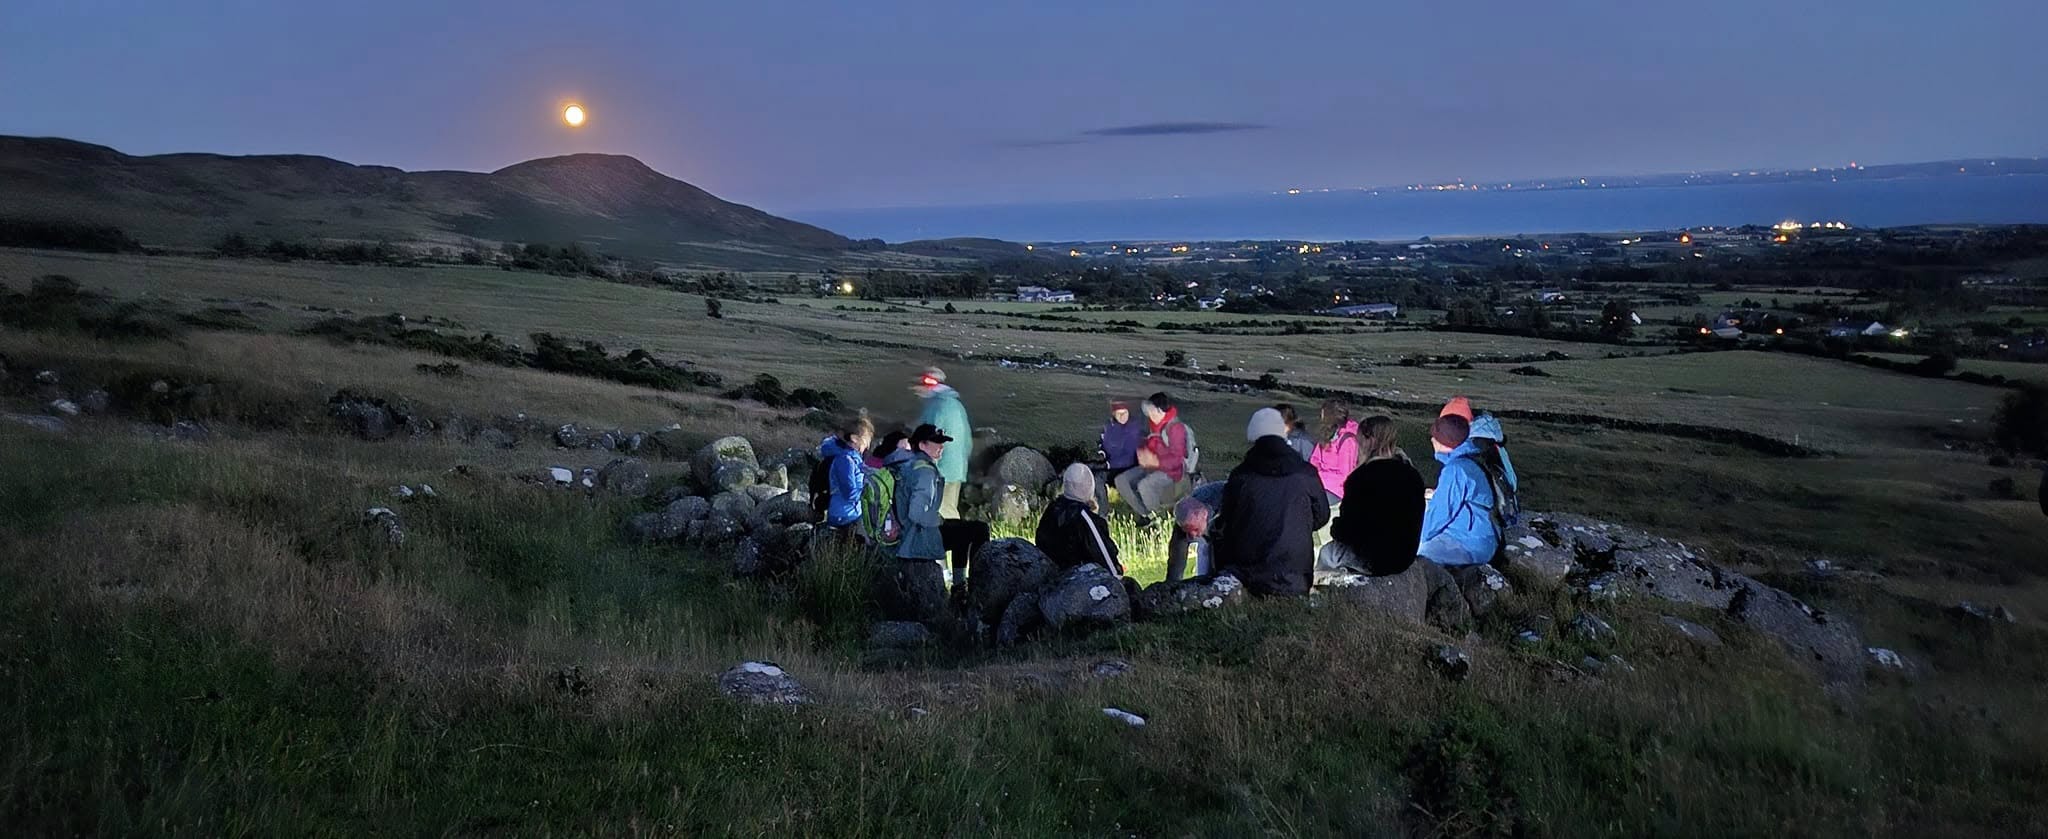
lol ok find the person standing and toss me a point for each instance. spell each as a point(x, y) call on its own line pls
point(1458, 526)
point(845, 475)
point(1380, 523)
point(1272, 505)
point(1161, 476)
point(1070, 532)
point(942, 410)
point(927, 534)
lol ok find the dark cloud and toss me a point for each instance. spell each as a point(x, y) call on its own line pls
point(1168, 129)
point(1039, 144)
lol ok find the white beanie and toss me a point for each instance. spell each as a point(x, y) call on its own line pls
point(1266, 422)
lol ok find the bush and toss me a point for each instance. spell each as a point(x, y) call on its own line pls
point(768, 390)
point(64, 235)
point(639, 367)
point(1176, 358)
point(55, 303)
point(1530, 371)
point(2022, 422)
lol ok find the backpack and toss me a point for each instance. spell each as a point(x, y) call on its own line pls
point(1192, 464)
point(821, 488)
point(1506, 509)
point(878, 509)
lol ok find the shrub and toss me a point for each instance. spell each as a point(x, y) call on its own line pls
point(1176, 358)
point(1530, 371)
point(56, 234)
point(55, 303)
point(2022, 422)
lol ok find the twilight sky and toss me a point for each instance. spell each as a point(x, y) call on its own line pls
point(814, 104)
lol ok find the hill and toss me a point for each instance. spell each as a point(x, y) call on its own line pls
point(615, 203)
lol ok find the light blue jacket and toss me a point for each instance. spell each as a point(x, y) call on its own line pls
point(944, 410)
point(848, 477)
point(1487, 426)
point(1462, 508)
point(918, 489)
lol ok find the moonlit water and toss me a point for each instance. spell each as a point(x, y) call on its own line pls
point(1337, 216)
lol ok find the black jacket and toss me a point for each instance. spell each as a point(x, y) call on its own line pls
point(1067, 534)
point(1272, 506)
point(1381, 517)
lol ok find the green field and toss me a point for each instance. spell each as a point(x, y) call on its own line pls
point(202, 640)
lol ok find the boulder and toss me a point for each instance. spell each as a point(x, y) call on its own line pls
point(761, 492)
point(571, 437)
point(732, 455)
point(1023, 468)
point(1481, 585)
point(1018, 619)
point(64, 407)
point(903, 635)
point(1447, 608)
point(363, 416)
point(1404, 595)
point(633, 443)
point(561, 476)
point(1827, 643)
point(46, 377)
point(1589, 628)
point(386, 520)
point(1691, 631)
point(1985, 614)
point(627, 476)
point(738, 505)
point(1109, 668)
point(762, 683)
point(1528, 553)
point(1676, 573)
point(96, 401)
point(781, 512)
point(495, 437)
point(609, 441)
point(909, 590)
point(1160, 599)
point(720, 528)
point(687, 509)
point(776, 478)
point(654, 527)
point(1000, 571)
point(1450, 661)
point(1013, 504)
point(1084, 596)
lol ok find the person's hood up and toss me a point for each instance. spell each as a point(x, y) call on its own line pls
point(1078, 483)
point(1465, 449)
point(1272, 456)
point(900, 457)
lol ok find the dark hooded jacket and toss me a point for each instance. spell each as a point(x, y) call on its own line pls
point(1272, 506)
point(1071, 534)
point(1120, 442)
point(1380, 519)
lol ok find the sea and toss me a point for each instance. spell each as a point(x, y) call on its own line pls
point(1399, 215)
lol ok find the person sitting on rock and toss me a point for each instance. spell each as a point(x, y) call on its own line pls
point(1193, 518)
point(1071, 532)
point(1458, 526)
point(1121, 438)
point(845, 475)
point(1161, 476)
point(920, 490)
point(1380, 522)
point(1272, 506)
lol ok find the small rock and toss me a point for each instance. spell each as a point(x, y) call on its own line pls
point(52, 425)
point(386, 519)
point(900, 635)
point(497, 438)
point(428, 491)
point(1109, 668)
point(1085, 595)
point(1528, 637)
point(763, 492)
point(1692, 631)
point(188, 431)
point(1450, 661)
point(401, 491)
point(561, 476)
point(1589, 628)
point(1984, 613)
point(159, 387)
point(1885, 658)
point(46, 377)
point(627, 476)
point(1605, 586)
point(96, 401)
point(570, 437)
point(64, 407)
point(1619, 663)
point(1481, 586)
point(1592, 665)
point(1125, 717)
point(762, 683)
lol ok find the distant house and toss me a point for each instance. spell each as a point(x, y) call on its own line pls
point(1855, 329)
point(1210, 303)
point(1549, 297)
point(1727, 333)
point(1368, 310)
point(1041, 294)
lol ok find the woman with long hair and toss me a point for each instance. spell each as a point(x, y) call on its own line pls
point(1380, 522)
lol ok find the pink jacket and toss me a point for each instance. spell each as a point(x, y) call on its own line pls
point(1334, 459)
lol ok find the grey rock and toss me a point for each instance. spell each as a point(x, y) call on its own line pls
point(627, 476)
point(1529, 554)
point(1109, 668)
point(1447, 607)
point(762, 683)
point(687, 509)
point(733, 476)
point(571, 437)
point(1450, 661)
point(720, 528)
point(609, 441)
point(1829, 644)
point(1084, 596)
point(633, 443)
point(46, 377)
point(1000, 571)
point(387, 521)
point(1603, 586)
point(1691, 631)
point(1013, 504)
point(1590, 628)
point(1404, 595)
point(1163, 598)
point(496, 437)
point(52, 425)
point(561, 475)
point(189, 431)
point(900, 635)
point(1018, 619)
point(762, 492)
point(775, 478)
point(1528, 637)
point(733, 455)
point(1980, 612)
point(779, 512)
point(1021, 467)
point(96, 401)
point(738, 505)
point(367, 418)
point(1676, 573)
point(654, 527)
point(1886, 659)
point(1481, 586)
point(909, 590)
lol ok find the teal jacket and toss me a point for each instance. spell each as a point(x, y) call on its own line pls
point(918, 489)
point(944, 410)
point(1462, 508)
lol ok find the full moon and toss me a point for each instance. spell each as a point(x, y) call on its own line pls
point(573, 115)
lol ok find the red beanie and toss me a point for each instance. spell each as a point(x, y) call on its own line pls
point(1459, 406)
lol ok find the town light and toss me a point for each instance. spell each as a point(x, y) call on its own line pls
point(846, 288)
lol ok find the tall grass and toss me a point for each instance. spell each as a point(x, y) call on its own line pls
point(1141, 549)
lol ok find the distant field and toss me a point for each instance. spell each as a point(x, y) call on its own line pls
point(2018, 370)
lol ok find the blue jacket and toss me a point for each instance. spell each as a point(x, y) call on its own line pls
point(848, 477)
point(944, 410)
point(918, 489)
point(1120, 442)
point(1462, 507)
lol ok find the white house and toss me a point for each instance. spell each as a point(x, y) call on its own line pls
point(1848, 329)
point(1041, 294)
point(1368, 310)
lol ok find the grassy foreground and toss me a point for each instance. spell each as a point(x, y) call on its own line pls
point(202, 640)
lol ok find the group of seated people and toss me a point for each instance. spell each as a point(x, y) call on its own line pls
point(1301, 507)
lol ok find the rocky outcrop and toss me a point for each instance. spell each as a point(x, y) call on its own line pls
point(627, 476)
point(1000, 571)
point(1161, 599)
point(909, 591)
point(1086, 596)
point(725, 465)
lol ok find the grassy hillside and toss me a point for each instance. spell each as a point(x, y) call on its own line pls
point(191, 200)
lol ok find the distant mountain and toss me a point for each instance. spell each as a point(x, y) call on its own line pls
point(615, 204)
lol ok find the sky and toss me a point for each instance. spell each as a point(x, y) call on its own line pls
point(816, 104)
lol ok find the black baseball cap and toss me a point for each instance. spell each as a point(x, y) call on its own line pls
point(928, 433)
